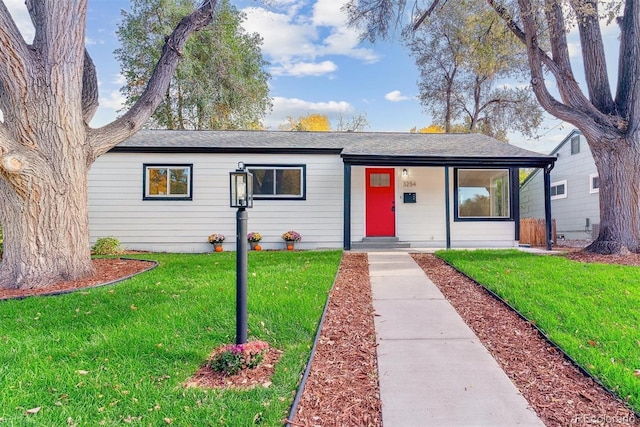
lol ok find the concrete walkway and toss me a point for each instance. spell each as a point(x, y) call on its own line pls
point(433, 369)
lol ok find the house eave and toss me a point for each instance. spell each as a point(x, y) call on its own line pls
point(390, 160)
point(223, 150)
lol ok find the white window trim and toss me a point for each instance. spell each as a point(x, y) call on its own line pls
point(591, 189)
point(560, 196)
point(168, 166)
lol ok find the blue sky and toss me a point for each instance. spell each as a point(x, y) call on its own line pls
point(317, 64)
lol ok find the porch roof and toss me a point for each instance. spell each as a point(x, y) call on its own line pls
point(355, 148)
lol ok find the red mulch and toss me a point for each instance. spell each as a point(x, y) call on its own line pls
point(107, 270)
point(245, 379)
point(560, 394)
point(342, 388)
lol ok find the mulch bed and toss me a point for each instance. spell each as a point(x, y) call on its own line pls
point(560, 394)
point(107, 271)
point(246, 379)
point(342, 387)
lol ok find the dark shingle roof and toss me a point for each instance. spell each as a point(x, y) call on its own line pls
point(355, 147)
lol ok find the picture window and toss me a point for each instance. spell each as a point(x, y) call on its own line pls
point(285, 182)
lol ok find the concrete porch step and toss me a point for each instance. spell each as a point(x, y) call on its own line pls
point(380, 243)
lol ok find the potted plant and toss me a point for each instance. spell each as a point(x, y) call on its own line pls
point(254, 240)
point(216, 240)
point(290, 238)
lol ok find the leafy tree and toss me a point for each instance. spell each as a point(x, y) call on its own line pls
point(310, 122)
point(219, 83)
point(610, 123)
point(48, 94)
point(461, 57)
point(428, 129)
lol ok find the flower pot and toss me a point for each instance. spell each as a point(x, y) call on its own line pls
point(217, 247)
point(290, 245)
point(253, 245)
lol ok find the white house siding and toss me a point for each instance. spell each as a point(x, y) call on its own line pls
point(570, 213)
point(117, 208)
point(422, 223)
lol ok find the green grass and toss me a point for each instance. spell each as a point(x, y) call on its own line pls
point(592, 311)
point(120, 354)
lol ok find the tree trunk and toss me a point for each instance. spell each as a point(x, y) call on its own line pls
point(618, 163)
point(45, 223)
point(48, 94)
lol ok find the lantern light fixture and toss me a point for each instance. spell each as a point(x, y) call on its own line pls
point(241, 187)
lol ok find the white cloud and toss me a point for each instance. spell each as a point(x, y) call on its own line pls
point(328, 13)
point(396, 96)
point(114, 100)
point(302, 69)
point(119, 80)
point(283, 38)
point(294, 41)
point(294, 107)
point(575, 50)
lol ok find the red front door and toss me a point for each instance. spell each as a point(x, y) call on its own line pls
point(381, 215)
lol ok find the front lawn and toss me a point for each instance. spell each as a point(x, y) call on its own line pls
point(121, 353)
point(592, 311)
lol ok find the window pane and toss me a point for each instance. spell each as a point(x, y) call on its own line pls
point(483, 193)
point(595, 183)
point(285, 182)
point(575, 145)
point(263, 180)
point(179, 183)
point(165, 182)
point(157, 182)
point(288, 182)
point(379, 180)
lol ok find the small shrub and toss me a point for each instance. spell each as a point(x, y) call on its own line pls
point(107, 246)
point(235, 357)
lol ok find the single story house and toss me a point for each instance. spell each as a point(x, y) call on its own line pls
point(574, 187)
point(166, 190)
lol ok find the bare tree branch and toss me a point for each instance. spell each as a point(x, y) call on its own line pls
point(426, 14)
point(106, 137)
point(12, 55)
point(628, 90)
point(89, 88)
point(593, 54)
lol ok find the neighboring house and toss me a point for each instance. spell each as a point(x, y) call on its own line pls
point(168, 190)
point(574, 190)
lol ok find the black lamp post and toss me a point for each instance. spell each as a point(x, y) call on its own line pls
point(241, 192)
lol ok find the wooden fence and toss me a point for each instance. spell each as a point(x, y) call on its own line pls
point(533, 231)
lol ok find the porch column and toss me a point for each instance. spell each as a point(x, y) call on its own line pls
point(346, 208)
point(447, 207)
point(547, 204)
point(515, 201)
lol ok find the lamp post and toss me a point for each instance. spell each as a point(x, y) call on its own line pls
point(241, 197)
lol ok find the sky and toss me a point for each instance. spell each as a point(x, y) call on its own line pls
point(317, 65)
